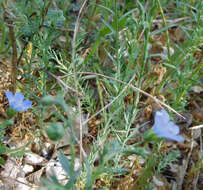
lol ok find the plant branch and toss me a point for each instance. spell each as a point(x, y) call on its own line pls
point(132, 87)
point(75, 75)
point(8, 18)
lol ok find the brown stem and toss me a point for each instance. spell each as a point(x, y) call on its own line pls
point(44, 14)
point(9, 21)
point(14, 58)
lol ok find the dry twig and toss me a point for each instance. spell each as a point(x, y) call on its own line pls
point(75, 74)
point(132, 87)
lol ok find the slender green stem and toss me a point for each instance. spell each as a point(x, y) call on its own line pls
point(117, 38)
point(3, 37)
point(164, 24)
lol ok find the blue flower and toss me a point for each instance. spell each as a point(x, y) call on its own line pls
point(163, 127)
point(17, 101)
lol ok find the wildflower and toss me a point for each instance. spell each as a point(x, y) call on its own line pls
point(163, 127)
point(17, 101)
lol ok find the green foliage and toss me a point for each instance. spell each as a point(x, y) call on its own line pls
point(4, 150)
point(166, 159)
point(10, 113)
point(115, 38)
point(155, 163)
point(55, 131)
point(52, 185)
point(55, 17)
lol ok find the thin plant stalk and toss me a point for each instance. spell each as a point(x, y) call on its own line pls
point(75, 75)
point(164, 24)
point(117, 39)
point(132, 87)
point(8, 19)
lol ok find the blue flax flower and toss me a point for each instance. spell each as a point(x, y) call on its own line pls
point(163, 127)
point(17, 101)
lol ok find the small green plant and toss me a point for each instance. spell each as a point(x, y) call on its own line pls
point(106, 59)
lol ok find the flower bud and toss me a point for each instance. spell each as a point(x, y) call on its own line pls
point(55, 131)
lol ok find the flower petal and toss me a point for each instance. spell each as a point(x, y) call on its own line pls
point(17, 107)
point(26, 105)
point(17, 101)
point(18, 97)
point(10, 96)
point(163, 127)
point(173, 129)
point(176, 138)
point(161, 117)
